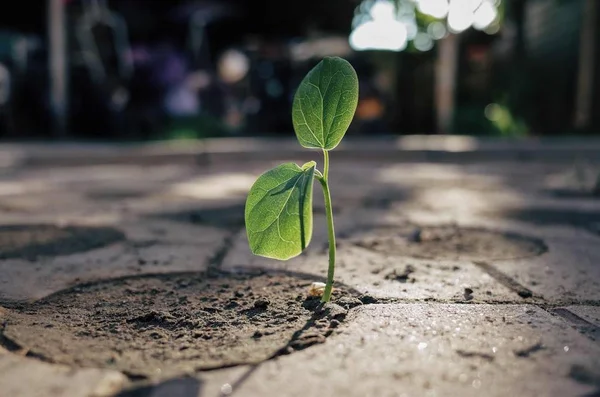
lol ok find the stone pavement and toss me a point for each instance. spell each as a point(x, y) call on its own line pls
point(477, 278)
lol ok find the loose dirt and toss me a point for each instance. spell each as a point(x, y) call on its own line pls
point(448, 243)
point(151, 326)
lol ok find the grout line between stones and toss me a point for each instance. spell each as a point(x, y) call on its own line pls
point(215, 262)
point(505, 280)
point(586, 328)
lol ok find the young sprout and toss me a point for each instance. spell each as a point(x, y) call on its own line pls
point(278, 210)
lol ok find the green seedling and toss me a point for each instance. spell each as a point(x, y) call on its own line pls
point(279, 215)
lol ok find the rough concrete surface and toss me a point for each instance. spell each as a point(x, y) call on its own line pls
point(438, 350)
point(20, 376)
point(436, 307)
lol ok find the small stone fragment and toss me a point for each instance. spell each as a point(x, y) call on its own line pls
point(334, 311)
point(368, 299)
point(468, 293)
point(401, 275)
point(261, 304)
point(415, 236)
point(348, 302)
point(334, 323)
point(257, 334)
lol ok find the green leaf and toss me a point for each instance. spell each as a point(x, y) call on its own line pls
point(325, 103)
point(279, 211)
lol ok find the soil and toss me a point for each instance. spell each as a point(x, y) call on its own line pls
point(149, 326)
point(33, 241)
point(449, 243)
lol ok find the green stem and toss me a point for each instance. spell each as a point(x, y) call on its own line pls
point(330, 230)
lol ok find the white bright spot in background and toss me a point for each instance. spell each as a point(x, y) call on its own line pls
point(493, 28)
point(382, 10)
point(383, 32)
point(484, 15)
point(423, 42)
point(460, 16)
point(411, 27)
point(233, 66)
point(437, 30)
point(435, 8)
point(379, 35)
point(380, 25)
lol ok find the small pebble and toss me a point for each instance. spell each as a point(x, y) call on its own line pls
point(261, 303)
point(334, 323)
point(468, 294)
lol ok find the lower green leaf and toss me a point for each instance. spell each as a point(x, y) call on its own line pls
point(279, 211)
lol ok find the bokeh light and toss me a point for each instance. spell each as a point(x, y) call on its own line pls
point(383, 32)
point(423, 42)
point(484, 15)
point(384, 25)
point(435, 8)
point(437, 30)
point(233, 66)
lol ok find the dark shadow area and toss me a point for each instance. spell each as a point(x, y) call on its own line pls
point(115, 195)
point(595, 393)
point(219, 216)
point(574, 194)
point(588, 220)
point(228, 216)
point(33, 241)
point(384, 199)
point(178, 387)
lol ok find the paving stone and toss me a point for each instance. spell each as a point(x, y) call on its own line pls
point(26, 377)
point(185, 249)
point(373, 273)
point(588, 313)
point(567, 272)
point(178, 387)
point(172, 232)
point(585, 319)
point(405, 349)
point(436, 350)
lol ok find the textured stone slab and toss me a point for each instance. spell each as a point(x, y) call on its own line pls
point(154, 248)
point(380, 275)
point(25, 377)
point(590, 314)
point(566, 273)
point(434, 350)
point(585, 319)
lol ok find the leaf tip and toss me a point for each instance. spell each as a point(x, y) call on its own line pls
point(309, 165)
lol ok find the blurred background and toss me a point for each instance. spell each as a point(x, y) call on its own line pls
point(131, 70)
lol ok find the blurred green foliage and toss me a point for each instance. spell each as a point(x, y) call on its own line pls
point(195, 127)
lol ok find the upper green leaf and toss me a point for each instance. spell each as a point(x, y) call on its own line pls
point(325, 103)
point(279, 211)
